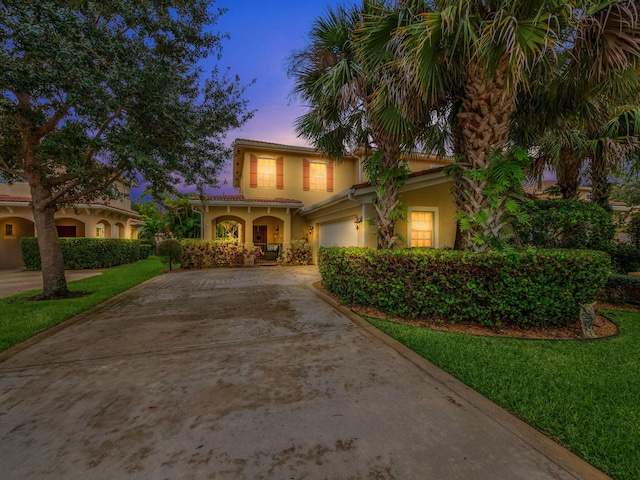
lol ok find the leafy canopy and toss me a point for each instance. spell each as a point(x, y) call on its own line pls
point(93, 91)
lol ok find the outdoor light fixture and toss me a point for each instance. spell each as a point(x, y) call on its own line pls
point(277, 229)
point(310, 229)
point(358, 221)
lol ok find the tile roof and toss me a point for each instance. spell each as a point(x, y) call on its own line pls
point(242, 198)
point(9, 198)
point(12, 199)
point(420, 173)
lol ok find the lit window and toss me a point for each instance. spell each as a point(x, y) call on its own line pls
point(318, 176)
point(422, 229)
point(267, 172)
point(8, 230)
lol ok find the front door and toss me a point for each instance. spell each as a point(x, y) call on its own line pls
point(259, 234)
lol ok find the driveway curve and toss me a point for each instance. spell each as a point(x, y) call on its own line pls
point(249, 373)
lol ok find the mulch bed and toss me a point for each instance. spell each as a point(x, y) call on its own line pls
point(602, 328)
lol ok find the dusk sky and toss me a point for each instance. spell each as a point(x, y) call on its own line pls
point(263, 35)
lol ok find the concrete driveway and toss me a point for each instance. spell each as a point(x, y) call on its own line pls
point(248, 373)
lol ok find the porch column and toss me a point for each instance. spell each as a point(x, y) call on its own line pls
point(286, 240)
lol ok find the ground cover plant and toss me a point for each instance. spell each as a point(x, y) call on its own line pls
point(21, 319)
point(582, 394)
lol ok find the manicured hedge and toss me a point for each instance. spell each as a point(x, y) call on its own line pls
point(217, 253)
point(625, 258)
point(81, 253)
point(526, 287)
point(621, 289)
point(563, 223)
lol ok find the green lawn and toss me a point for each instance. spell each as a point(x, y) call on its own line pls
point(585, 395)
point(21, 319)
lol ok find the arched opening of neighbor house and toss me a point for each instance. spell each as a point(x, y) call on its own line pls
point(12, 229)
point(103, 229)
point(229, 227)
point(70, 227)
point(268, 234)
point(119, 230)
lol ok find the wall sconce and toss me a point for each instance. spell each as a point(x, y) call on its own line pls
point(277, 229)
point(358, 221)
point(310, 229)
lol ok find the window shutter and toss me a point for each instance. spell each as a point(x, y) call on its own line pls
point(253, 172)
point(305, 175)
point(280, 173)
point(329, 176)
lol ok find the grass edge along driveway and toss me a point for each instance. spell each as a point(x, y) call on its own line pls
point(21, 319)
point(583, 394)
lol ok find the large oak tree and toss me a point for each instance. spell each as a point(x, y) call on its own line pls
point(94, 92)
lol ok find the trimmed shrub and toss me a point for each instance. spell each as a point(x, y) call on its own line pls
point(530, 287)
point(566, 224)
point(621, 289)
point(298, 254)
point(146, 250)
point(625, 258)
point(217, 253)
point(170, 252)
point(82, 253)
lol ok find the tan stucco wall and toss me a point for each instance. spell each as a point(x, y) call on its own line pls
point(10, 251)
point(435, 196)
point(345, 174)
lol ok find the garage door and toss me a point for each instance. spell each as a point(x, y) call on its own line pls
point(341, 234)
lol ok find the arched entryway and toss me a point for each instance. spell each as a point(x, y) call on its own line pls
point(70, 228)
point(229, 227)
point(12, 229)
point(119, 230)
point(103, 229)
point(268, 234)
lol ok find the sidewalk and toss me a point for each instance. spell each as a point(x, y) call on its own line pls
point(249, 373)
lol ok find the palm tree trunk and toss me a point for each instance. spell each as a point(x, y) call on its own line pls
point(485, 120)
point(568, 174)
point(601, 188)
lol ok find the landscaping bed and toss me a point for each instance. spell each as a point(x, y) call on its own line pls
point(602, 328)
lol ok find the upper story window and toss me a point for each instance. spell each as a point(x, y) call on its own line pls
point(266, 172)
point(422, 225)
point(318, 176)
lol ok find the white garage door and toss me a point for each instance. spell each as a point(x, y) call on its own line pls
point(341, 234)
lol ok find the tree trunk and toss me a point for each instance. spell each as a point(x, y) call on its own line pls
point(568, 174)
point(601, 188)
point(54, 283)
point(386, 203)
point(485, 120)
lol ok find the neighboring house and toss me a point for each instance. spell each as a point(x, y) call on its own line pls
point(289, 193)
point(97, 220)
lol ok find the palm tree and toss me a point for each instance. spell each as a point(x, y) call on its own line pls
point(350, 108)
point(479, 54)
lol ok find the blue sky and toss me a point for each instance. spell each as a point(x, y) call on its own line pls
point(263, 35)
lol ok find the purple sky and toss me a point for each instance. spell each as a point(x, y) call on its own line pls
point(263, 35)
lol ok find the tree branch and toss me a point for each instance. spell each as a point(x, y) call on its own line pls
point(103, 128)
point(48, 127)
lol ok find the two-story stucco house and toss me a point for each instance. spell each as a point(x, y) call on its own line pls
point(287, 193)
point(98, 220)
